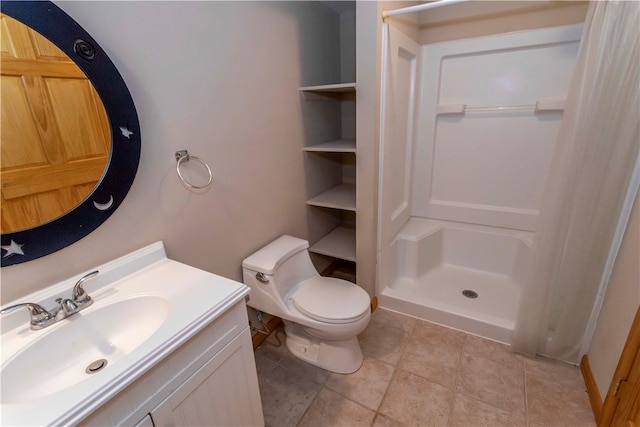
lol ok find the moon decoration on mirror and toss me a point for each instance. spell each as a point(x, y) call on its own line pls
point(120, 146)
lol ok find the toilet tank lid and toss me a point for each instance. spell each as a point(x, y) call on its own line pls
point(267, 259)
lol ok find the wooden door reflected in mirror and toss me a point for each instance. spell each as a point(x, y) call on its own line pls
point(55, 136)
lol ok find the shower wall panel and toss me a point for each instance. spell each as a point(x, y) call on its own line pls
point(402, 71)
point(486, 160)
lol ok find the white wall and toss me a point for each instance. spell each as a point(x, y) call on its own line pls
point(619, 307)
point(221, 80)
point(436, 25)
point(490, 167)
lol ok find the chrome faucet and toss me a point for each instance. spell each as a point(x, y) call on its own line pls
point(79, 295)
point(41, 318)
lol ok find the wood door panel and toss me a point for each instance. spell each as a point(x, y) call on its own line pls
point(55, 132)
point(30, 67)
point(28, 182)
point(16, 39)
point(78, 119)
point(5, 36)
point(19, 214)
point(30, 211)
point(44, 49)
point(18, 127)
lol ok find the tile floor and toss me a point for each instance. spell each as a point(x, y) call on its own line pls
point(419, 374)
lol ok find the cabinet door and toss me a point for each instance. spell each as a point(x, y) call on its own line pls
point(223, 392)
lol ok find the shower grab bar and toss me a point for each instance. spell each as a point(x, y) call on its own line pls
point(541, 105)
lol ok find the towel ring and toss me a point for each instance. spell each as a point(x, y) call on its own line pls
point(183, 156)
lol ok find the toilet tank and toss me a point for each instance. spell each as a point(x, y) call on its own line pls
point(285, 260)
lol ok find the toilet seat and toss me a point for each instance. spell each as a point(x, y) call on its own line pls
point(330, 300)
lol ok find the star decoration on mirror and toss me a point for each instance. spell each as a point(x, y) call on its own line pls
point(13, 248)
point(126, 132)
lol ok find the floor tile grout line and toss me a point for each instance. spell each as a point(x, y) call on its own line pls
point(307, 408)
point(386, 390)
point(326, 386)
point(455, 384)
point(395, 370)
point(489, 358)
point(475, 398)
point(526, 393)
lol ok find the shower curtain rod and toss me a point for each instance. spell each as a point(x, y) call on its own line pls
point(420, 7)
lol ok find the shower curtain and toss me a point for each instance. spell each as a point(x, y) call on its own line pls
point(595, 154)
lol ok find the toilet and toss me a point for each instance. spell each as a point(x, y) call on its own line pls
point(322, 315)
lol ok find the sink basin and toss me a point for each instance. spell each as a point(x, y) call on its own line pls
point(146, 306)
point(58, 359)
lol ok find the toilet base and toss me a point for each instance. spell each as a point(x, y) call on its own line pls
point(340, 356)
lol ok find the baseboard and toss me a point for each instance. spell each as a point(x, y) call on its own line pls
point(272, 325)
point(592, 389)
point(374, 303)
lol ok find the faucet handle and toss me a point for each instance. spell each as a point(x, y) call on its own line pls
point(40, 317)
point(79, 295)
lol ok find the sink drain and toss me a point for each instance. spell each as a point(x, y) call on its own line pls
point(469, 293)
point(96, 366)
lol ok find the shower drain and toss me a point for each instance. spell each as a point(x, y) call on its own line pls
point(469, 293)
point(96, 366)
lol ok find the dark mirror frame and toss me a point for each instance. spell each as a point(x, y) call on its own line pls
point(53, 23)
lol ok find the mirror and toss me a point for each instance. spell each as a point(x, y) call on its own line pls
point(55, 134)
point(92, 137)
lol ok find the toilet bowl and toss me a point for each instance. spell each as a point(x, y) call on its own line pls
point(322, 315)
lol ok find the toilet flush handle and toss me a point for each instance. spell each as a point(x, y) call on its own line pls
point(262, 278)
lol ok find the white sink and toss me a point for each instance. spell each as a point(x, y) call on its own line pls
point(145, 307)
point(60, 355)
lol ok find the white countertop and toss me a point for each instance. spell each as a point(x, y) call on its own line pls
point(196, 299)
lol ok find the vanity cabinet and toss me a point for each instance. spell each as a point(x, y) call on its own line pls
point(211, 380)
point(218, 394)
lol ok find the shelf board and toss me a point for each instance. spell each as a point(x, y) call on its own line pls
point(337, 146)
point(340, 243)
point(333, 88)
point(342, 196)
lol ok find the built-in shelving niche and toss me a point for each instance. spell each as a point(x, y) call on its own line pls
point(337, 156)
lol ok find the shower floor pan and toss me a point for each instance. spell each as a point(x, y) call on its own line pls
point(437, 263)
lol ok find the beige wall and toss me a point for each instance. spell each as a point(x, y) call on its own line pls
point(368, 37)
point(219, 79)
point(619, 307)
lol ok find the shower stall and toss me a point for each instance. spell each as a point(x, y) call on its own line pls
point(468, 131)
